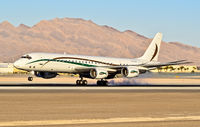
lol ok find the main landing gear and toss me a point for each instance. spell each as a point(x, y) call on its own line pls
point(102, 82)
point(81, 82)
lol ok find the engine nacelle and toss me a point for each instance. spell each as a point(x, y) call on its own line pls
point(46, 75)
point(130, 72)
point(98, 73)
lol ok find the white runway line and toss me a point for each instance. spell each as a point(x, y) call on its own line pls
point(97, 121)
point(97, 88)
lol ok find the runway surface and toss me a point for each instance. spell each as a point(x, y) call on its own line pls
point(95, 88)
point(98, 121)
point(61, 105)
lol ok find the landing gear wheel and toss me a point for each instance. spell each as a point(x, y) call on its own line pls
point(30, 78)
point(84, 82)
point(102, 83)
point(99, 83)
point(77, 82)
point(105, 83)
point(81, 82)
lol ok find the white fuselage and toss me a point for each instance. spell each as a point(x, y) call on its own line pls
point(53, 62)
point(48, 65)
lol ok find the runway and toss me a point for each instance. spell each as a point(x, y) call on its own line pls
point(122, 88)
point(62, 105)
point(97, 121)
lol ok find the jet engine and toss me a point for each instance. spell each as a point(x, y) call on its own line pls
point(46, 75)
point(130, 72)
point(98, 73)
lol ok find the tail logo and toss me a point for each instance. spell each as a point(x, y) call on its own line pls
point(155, 53)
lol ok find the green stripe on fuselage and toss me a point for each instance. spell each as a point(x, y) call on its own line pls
point(63, 61)
point(133, 71)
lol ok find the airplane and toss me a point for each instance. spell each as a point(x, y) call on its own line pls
point(48, 65)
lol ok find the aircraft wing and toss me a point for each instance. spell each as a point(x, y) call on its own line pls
point(142, 67)
point(110, 69)
point(147, 66)
point(157, 65)
point(107, 68)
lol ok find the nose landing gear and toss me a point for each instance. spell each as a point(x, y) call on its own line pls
point(30, 78)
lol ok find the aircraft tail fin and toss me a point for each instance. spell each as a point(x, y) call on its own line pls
point(152, 52)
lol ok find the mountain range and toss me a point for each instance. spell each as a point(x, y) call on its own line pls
point(78, 36)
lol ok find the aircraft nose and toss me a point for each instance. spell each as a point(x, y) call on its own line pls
point(17, 64)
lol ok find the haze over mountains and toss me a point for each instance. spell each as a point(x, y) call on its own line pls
point(78, 36)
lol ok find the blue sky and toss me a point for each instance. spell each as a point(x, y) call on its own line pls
point(178, 20)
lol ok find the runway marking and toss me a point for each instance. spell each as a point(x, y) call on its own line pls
point(97, 88)
point(97, 121)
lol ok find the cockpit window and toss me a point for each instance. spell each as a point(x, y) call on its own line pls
point(27, 57)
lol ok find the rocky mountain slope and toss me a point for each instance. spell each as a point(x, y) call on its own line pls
point(78, 36)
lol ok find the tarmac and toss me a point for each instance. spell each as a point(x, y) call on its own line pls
point(95, 88)
point(55, 103)
point(61, 105)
